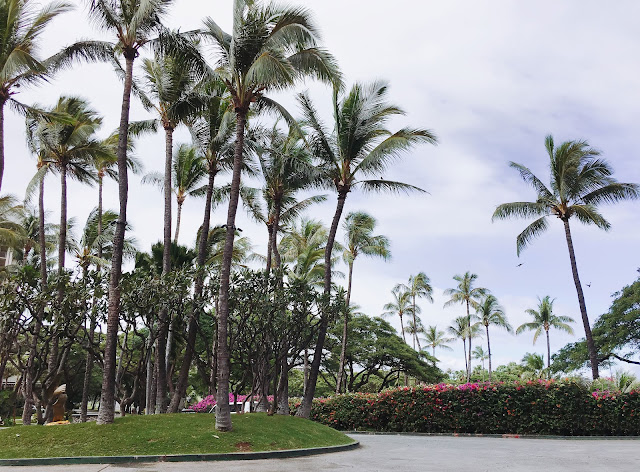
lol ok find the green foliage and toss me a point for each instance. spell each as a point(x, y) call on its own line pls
point(534, 407)
point(7, 405)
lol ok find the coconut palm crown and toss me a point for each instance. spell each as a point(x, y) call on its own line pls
point(580, 180)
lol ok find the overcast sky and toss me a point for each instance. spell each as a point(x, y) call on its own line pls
point(491, 78)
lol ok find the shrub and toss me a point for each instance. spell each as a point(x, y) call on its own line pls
point(7, 406)
point(534, 407)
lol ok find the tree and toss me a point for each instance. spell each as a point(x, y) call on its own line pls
point(616, 333)
point(133, 23)
point(286, 169)
point(544, 319)
point(358, 227)
point(461, 329)
point(533, 365)
point(359, 148)
point(481, 355)
point(21, 26)
point(468, 295)
point(419, 286)
point(270, 47)
point(435, 338)
point(580, 181)
point(489, 312)
point(304, 247)
point(400, 306)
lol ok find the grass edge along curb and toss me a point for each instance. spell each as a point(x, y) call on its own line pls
point(497, 436)
point(231, 456)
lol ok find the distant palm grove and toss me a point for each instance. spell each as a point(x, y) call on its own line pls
point(153, 330)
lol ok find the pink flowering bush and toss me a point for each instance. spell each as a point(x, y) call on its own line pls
point(534, 407)
point(208, 402)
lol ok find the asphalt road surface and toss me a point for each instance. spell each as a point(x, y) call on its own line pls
point(399, 453)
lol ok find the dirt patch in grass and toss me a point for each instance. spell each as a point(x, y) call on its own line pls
point(243, 447)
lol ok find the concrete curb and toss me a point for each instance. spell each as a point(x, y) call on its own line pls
point(499, 436)
point(233, 456)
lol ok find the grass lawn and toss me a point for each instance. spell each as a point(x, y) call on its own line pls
point(167, 434)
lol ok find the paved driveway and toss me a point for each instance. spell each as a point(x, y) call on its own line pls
point(416, 453)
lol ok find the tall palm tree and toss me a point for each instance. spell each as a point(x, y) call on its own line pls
point(22, 24)
point(461, 329)
point(419, 286)
point(468, 295)
point(69, 145)
point(545, 319)
point(212, 132)
point(134, 23)
point(358, 227)
point(489, 312)
point(359, 148)
point(415, 327)
point(270, 47)
point(400, 306)
point(435, 338)
point(303, 246)
point(579, 182)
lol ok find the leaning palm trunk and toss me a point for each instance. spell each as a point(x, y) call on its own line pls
point(223, 413)
point(591, 346)
point(178, 219)
point(107, 396)
point(305, 408)
point(345, 326)
point(2, 102)
point(183, 376)
point(163, 344)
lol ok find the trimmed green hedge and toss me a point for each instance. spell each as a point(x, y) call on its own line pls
point(540, 407)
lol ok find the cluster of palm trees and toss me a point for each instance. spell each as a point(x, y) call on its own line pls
point(270, 48)
point(482, 311)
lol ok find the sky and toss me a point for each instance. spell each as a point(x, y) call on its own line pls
point(491, 78)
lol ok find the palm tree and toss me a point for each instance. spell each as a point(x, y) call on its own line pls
point(461, 329)
point(188, 169)
point(270, 47)
point(359, 148)
point(400, 306)
point(12, 234)
point(358, 227)
point(579, 181)
point(533, 365)
point(414, 328)
point(22, 26)
point(545, 319)
point(435, 338)
point(468, 295)
point(419, 286)
point(479, 354)
point(212, 132)
point(286, 169)
point(489, 312)
point(304, 247)
point(69, 146)
point(133, 22)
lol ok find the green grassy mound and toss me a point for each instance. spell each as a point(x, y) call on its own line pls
point(167, 434)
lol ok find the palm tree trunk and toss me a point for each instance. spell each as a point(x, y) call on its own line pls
point(2, 102)
point(28, 389)
point(163, 326)
point(469, 328)
point(489, 351)
point(274, 245)
point(178, 218)
point(107, 400)
point(269, 247)
point(183, 376)
point(591, 346)
point(223, 413)
point(343, 350)
point(62, 243)
point(88, 366)
point(464, 347)
point(548, 354)
point(402, 328)
point(305, 408)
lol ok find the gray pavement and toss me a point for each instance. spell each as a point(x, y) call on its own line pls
point(420, 453)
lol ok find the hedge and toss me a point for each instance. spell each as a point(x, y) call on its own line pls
point(535, 407)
